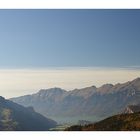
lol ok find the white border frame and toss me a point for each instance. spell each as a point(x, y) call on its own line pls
point(69, 4)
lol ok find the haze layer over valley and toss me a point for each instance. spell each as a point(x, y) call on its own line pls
point(18, 82)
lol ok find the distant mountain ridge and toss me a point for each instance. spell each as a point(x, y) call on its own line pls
point(16, 117)
point(90, 102)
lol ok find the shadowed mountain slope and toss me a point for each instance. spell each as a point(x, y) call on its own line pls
point(17, 117)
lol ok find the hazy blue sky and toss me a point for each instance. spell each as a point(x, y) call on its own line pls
point(51, 38)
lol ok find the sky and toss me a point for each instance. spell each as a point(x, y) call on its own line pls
point(59, 38)
point(54, 41)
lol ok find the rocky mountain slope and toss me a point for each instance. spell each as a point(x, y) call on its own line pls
point(132, 109)
point(89, 103)
point(17, 117)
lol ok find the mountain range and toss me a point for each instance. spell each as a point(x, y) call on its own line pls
point(16, 117)
point(90, 103)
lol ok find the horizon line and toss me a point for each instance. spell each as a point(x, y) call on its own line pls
point(72, 67)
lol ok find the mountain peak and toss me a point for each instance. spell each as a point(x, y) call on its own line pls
point(105, 88)
point(136, 83)
point(2, 98)
point(136, 80)
point(54, 90)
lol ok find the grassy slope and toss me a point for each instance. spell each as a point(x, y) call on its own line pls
point(123, 122)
